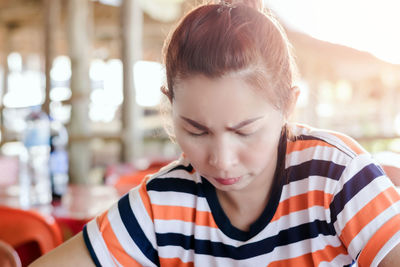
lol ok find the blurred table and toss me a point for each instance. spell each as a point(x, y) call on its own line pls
point(79, 205)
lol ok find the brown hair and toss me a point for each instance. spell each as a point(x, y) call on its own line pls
point(232, 37)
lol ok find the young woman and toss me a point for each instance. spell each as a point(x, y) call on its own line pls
point(250, 189)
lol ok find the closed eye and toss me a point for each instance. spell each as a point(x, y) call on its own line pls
point(196, 134)
point(243, 134)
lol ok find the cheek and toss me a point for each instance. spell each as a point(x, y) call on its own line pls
point(260, 152)
point(192, 149)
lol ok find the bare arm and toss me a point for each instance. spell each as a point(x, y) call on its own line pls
point(71, 253)
point(392, 258)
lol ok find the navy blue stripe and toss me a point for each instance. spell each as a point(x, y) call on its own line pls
point(89, 247)
point(348, 265)
point(323, 168)
point(135, 231)
point(166, 184)
point(308, 138)
point(188, 168)
point(218, 249)
point(352, 187)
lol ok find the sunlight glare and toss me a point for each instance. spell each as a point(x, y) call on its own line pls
point(148, 77)
point(27, 84)
point(367, 25)
point(61, 70)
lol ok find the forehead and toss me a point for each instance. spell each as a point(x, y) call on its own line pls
point(203, 85)
point(229, 96)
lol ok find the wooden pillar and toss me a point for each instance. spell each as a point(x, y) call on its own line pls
point(79, 16)
point(52, 14)
point(132, 27)
point(4, 64)
point(3, 61)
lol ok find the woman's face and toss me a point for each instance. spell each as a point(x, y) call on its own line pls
point(227, 130)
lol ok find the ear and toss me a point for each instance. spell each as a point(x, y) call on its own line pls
point(166, 92)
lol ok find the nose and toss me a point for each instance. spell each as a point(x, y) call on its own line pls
point(223, 155)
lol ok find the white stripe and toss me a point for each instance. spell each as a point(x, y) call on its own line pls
point(294, 219)
point(207, 260)
point(303, 247)
point(279, 253)
point(368, 231)
point(98, 244)
point(179, 173)
point(124, 238)
point(142, 216)
point(200, 232)
point(171, 198)
point(337, 141)
point(170, 252)
point(306, 185)
point(326, 153)
point(360, 200)
point(116, 261)
point(392, 242)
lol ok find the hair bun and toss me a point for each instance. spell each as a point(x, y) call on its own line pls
point(256, 4)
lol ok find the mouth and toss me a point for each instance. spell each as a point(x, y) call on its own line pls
point(227, 181)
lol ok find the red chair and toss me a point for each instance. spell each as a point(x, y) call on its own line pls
point(129, 181)
point(30, 233)
point(124, 181)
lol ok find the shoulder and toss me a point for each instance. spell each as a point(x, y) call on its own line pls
point(173, 176)
point(174, 184)
point(306, 137)
point(323, 153)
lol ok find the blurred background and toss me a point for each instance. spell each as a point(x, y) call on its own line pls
point(94, 67)
point(80, 101)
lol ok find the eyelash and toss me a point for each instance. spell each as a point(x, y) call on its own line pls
point(197, 134)
point(242, 134)
point(204, 133)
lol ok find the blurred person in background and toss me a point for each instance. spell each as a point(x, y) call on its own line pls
point(251, 189)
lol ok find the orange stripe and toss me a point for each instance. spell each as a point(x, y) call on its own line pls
point(175, 262)
point(100, 219)
point(312, 259)
point(350, 142)
point(112, 242)
point(378, 240)
point(203, 218)
point(376, 206)
point(145, 198)
point(302, 202)
point(300, 145)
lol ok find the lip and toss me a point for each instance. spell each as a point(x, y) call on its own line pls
point(227, 181)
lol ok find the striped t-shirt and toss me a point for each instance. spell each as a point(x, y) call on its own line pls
point(333, 206)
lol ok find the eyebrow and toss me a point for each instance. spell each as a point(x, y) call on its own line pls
point(233, 128)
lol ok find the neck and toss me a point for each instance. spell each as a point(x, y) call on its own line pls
point(244, 207)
